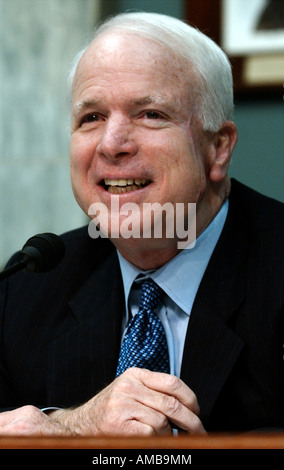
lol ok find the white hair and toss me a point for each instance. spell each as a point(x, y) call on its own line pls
point(212, 69)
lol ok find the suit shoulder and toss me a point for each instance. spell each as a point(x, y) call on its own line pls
point(260, 210)
point(82, 255)
point(79, 244)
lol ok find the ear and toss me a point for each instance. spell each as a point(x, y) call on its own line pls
point(224, 142)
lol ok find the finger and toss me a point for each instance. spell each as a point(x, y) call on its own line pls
point(169, 385)
point(146, 419)
point(180, 416)
point(177, 414)
point(132, 402)
point(119, 409)
point(172, 397)
point(136, 428)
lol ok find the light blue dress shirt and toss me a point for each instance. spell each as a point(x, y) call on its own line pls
point(179, 279)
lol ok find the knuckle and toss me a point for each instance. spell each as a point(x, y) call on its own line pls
point(133, 371)
point(172, 405)
point(161, 421)
point(148, 431)
point(30, 410)
point(124, 385)
point(174, 382)
point(132, 427)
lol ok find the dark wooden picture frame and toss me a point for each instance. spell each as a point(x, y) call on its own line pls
point(206, 15)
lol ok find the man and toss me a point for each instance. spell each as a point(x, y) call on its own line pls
point(151, 123)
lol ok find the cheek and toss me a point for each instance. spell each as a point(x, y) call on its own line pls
point(81, 154)
point(181, 159)
point(167, 150)
point(185, 171)
point(80, 162)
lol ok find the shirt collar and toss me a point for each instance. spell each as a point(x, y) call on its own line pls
point(188, 266)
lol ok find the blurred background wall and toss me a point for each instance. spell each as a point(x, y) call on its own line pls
point(38, 39)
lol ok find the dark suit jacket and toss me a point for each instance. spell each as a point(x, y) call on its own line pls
point(60, 331)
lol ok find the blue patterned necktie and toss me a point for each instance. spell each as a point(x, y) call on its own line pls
point(144, 344)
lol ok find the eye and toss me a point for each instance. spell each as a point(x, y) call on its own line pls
point(153, 115)
point(92, 117)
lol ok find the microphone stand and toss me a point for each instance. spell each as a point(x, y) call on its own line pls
point(40, 253)
point(13, 269)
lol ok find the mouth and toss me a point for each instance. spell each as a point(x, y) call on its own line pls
point(120, 186)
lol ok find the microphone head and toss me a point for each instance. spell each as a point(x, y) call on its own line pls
point(43, 252)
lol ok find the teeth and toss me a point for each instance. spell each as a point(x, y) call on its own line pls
point(121, 189)
point(124, 182)
point(118, 186)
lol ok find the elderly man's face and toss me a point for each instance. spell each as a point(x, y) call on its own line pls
point(134, 136)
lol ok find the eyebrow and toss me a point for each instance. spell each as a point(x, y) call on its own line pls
point(84, 105)
point(144, 100)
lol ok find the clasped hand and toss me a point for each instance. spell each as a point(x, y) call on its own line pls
point(138, 402)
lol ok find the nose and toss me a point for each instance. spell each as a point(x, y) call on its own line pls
point(117, 139)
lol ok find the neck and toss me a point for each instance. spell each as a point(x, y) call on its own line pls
point(153, 253)
point(146, 254)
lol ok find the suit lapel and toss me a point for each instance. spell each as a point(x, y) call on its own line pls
point(89, 348)
point(100, 305)
point(211, 349)
point(211, 346)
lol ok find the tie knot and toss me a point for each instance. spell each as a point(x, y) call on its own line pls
point(150, 295)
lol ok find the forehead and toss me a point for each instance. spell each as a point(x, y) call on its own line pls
point(123, 58)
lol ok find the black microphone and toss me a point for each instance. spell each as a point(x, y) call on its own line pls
point(40, 253)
